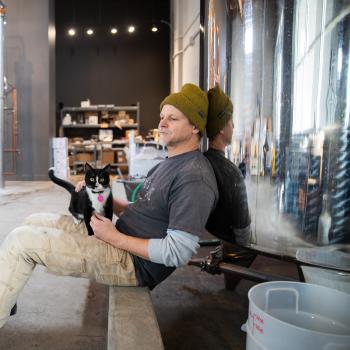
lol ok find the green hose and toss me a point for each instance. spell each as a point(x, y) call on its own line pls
point(136, 191)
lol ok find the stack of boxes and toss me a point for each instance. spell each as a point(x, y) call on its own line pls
point(60, 156)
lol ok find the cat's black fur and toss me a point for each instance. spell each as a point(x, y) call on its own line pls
point(84, 203)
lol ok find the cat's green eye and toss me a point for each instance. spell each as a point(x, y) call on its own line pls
point(92, 179)
point(102, 181)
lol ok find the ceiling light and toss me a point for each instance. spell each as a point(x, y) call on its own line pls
point(154, 29)
point(114, 31)
point(131, 29)
point(71, 32)
point(90, 31)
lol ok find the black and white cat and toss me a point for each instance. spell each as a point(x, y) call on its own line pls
point(95, 197)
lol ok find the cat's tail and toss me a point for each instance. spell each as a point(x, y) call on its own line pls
point(60, 182)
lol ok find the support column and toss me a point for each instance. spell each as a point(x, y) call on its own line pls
point(2, 17)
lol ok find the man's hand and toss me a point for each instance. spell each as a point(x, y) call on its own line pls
point(80, 185)
point(105, 230)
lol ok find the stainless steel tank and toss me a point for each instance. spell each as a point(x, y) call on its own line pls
point(285, 64)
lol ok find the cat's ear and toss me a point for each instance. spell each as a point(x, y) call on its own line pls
point(107, 168)
point(87, 167)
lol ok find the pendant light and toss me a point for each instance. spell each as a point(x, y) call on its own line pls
point(72, 31)
point(154, 28)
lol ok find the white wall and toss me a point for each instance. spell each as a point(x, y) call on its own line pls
point(186, 37)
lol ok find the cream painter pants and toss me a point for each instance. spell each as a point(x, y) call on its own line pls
point(64, 247)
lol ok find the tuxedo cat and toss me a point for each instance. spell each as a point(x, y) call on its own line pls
point(95, 197)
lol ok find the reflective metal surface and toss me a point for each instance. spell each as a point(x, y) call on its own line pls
point(217, 43)
point(289, 80)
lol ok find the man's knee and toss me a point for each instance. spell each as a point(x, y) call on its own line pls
point(42, 219)
point(24, 238)
point(15, 237)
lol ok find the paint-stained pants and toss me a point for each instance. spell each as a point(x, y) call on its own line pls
point(64, 247)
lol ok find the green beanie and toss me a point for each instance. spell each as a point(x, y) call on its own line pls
point(220, 111)
point(192, 102)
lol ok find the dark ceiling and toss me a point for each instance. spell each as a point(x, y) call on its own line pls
point(104, 14)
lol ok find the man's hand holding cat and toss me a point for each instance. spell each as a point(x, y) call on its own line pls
point(80, 185)
point(104, 229)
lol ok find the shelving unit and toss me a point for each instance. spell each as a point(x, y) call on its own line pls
point(87, 122)
point(96, 154)
point(105, 117)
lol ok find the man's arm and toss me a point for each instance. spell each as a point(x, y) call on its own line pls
point(176, 249)
point(186, 215)
point(106, 231)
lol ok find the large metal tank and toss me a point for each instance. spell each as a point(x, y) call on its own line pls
point(285, 64)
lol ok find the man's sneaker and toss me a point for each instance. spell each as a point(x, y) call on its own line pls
point(13, 310)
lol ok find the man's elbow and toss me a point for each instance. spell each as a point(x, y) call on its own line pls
point(177, 260)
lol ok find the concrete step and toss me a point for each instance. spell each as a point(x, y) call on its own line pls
point(132, 323)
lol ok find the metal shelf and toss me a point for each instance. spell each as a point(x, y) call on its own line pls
point(104, 113)
point(98, 126)
point(97, 151)
point(101, 108)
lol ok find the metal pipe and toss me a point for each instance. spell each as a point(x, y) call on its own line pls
point(14, 150)
point(14, 130)
point(252, 274)
point(244, 272)
point(209, 242)
point(2, 18)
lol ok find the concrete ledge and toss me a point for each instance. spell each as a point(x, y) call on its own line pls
point(132, 323)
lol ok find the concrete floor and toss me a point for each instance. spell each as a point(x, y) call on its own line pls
point(193, 308)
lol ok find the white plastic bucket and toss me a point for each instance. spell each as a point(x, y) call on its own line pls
point(294, 315)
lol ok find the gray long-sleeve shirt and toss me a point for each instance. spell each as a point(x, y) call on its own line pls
point(175, 249)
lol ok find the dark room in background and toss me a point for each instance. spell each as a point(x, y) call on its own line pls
point(119, 69)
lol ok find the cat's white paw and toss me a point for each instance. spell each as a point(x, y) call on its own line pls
point(77, 221)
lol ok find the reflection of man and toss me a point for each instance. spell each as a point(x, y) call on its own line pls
point(231, 220)
point(152, 237)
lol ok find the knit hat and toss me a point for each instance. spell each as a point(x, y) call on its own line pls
point(220, 111)
point(192, 102)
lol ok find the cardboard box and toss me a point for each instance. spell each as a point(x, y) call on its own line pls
point(107, 157)
point(121, 158)
point(84, 157)
point(93, 120)
point(85, 103)
point(128, 132)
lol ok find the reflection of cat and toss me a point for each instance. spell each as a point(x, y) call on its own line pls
point(95, 197)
